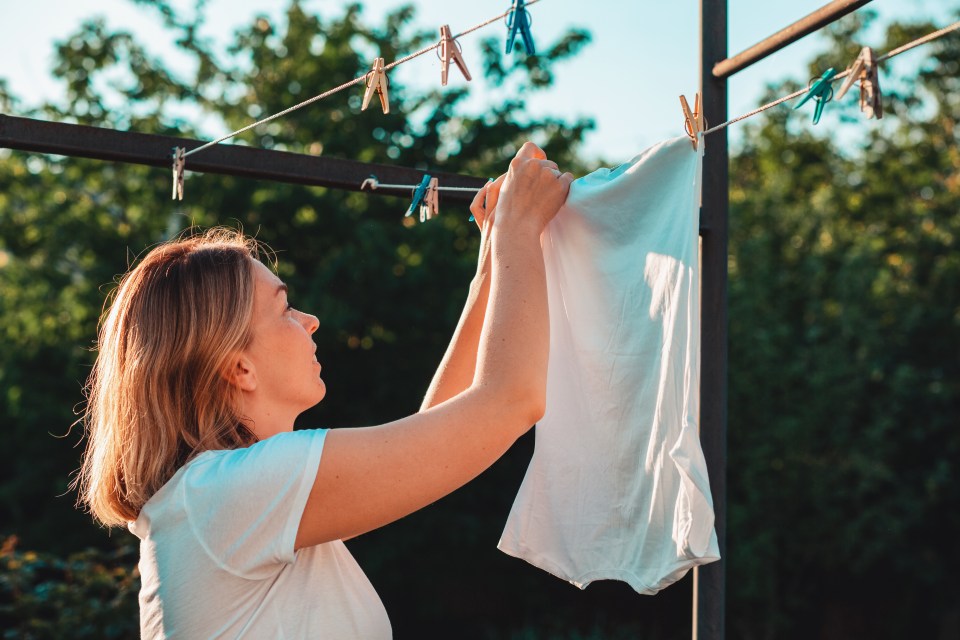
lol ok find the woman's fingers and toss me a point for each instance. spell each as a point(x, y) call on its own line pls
point(493, 192)
point(478, 206)
point(485, 201)
point(530, 150)
point(533, 185)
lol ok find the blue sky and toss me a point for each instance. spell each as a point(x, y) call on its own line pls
point(644, 52)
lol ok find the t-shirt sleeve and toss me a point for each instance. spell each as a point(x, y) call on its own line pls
point(245, 505)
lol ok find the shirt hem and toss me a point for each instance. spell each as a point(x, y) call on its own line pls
point(671, 572)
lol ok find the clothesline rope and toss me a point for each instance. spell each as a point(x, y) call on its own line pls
point(374, 184)
point(890, 54)
point(910, 45)
point(843, 74)
point(919, 41)
point(347, 85)
point(413, 186)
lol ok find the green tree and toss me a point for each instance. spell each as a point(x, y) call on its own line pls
point(387, 294)
point(844, 325)
point(844, 368)
point(70, 226)
point(88, 595)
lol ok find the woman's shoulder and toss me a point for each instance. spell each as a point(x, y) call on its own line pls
point(215, 476)
point(280, 445)
point(270, 459)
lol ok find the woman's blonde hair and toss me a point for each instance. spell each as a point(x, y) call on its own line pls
point(159, 392)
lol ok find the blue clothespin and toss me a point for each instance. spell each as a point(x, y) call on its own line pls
point(418, 195)
point(822, 93)
point(519, 20)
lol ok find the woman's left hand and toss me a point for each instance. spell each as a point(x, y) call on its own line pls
point(485, 201)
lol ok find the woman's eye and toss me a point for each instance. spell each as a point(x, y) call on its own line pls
point(289, 307)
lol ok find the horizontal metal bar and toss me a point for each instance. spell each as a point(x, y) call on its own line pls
point(26, 134)
point(819, 18)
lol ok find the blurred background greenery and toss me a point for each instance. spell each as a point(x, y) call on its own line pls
point(844, 332)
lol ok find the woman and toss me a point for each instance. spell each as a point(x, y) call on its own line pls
point(204, 366)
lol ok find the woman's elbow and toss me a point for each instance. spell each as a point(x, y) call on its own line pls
point(513, 405)
point(534, 417)
point(531, 405)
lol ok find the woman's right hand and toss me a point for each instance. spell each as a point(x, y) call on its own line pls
point(533, 191)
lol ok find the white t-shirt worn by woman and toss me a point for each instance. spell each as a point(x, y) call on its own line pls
point(217, 555)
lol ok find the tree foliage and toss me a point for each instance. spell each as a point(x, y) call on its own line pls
point(69, 226)
point(90, 595)
point(387, 294)
point(845, 360)
point(844, 325)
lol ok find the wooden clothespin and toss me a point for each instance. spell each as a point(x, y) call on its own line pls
point(377, 81)
point(431, 201)
point(518, 20)
point(864, 69)
point(693, 123)
point(178, 165)
point(418, 194)
point(821, 90)
point(450, 50)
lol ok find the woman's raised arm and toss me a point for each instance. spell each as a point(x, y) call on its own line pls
point(458, 366)
point(371, 476)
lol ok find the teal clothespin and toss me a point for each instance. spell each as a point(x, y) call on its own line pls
point(418, 195)
point(519, 20)
point(821, 91)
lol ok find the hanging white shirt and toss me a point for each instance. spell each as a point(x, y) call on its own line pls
point(617, 487)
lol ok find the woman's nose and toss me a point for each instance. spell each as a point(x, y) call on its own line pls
point(310, 322)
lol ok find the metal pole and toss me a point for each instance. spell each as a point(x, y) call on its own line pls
point(39, 136)
point(819, 18)
point(710, 580)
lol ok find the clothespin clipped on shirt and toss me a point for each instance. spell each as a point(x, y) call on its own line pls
point(377, 81)
point(430, 206)
point(821, 91)
point(178, 165)
point(450, 50)
point(418, 194)
point(864, 69)
point(518, 19)
point(693, 122)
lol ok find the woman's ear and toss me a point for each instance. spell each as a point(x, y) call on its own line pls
point(241, 373)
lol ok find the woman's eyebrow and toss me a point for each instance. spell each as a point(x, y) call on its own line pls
point(281, 287)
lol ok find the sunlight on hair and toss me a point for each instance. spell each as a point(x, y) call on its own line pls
point(158, 394)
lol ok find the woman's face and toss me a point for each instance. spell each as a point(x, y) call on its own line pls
point(282, 352)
